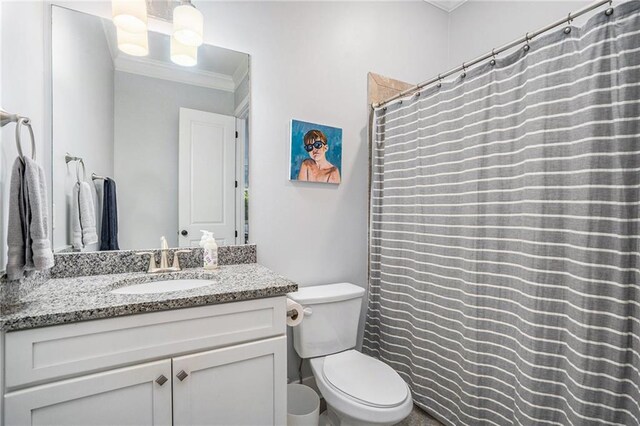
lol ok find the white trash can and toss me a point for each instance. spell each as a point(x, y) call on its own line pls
point(303, 405)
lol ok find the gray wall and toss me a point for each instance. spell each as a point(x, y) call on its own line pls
point(146, 153)
point(242, 91)
point(82, 110)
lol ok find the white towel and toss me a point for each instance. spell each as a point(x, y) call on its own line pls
point(84, 216)
point(76, 228)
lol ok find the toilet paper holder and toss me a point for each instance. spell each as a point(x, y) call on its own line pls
point(293, 313)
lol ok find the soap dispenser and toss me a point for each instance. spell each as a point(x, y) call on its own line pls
point(210, 253)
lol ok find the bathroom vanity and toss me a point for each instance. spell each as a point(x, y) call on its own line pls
point(74, 351)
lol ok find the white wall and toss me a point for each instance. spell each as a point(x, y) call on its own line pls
point(478, 26)
point(22, 88)
point(309, 60)
point(146, 153)
point(83, 111)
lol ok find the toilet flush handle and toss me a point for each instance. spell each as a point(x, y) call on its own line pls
point(307, 311)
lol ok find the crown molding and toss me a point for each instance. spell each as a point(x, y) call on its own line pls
point(446, 5)
point(157, 69)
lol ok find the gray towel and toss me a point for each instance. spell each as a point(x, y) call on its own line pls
point(16, 232)
point(39, 255)
point(28, 232)
point(84, 216)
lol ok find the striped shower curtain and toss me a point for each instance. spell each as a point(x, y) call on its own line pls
point(505, 231)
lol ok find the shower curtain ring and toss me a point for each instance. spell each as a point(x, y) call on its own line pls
point(567, 29)
point(439, 85)
point(493, 59)
point(609, 11)
point(526, 46)
point(464, 70)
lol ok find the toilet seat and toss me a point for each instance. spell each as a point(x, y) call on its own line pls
point(364, 379)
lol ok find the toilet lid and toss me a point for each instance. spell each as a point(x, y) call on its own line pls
point(364, 378)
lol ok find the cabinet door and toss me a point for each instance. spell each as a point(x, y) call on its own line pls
point(239, 385)
point(127, 396)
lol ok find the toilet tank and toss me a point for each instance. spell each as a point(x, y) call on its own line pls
point(332, 324)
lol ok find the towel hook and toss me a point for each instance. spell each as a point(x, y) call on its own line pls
point(23, 121)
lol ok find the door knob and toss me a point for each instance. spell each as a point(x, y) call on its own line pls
point(161, 380)
point(182, 375)
point(184, 232)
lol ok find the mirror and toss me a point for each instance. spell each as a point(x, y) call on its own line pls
point(171, 139)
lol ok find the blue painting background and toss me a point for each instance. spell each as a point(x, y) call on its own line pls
point(298, 153)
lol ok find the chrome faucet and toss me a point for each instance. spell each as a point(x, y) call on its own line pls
point(164, 261)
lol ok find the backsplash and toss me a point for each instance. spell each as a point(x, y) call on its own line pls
point(117, 262)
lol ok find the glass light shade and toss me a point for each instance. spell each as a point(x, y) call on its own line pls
point(182, 54)
point(188, 25)
point(130, 15)
point(134, 44)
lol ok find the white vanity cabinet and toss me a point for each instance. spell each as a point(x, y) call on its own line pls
point(215, 365)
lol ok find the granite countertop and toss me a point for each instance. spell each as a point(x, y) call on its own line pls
point(66, 300)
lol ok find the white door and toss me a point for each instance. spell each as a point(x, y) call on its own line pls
point(126, 396)
point(206, 177)
point(240, 385)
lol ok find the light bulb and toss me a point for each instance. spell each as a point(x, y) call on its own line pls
point(188, 24)
point(130, 15)
point(182, 54)
point(134, 44)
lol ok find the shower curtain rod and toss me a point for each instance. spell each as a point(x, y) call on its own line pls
point(527, 37)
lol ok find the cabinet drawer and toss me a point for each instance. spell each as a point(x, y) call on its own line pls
point(44, 354)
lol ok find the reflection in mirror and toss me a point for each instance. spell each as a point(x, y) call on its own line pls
point(143, 147)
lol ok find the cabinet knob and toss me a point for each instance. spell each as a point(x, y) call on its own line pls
point(182, 375)
point(184, 232)
point(161, 380)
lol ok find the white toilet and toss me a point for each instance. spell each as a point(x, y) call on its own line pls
point(358, 389)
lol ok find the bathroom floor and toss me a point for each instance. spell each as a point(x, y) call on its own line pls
point(419, 418)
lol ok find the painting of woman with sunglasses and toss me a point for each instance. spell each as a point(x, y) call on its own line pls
point(317, 167)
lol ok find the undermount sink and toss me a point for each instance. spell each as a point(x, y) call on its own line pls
point(162, 286)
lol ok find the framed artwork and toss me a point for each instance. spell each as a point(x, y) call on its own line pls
point(316, 152)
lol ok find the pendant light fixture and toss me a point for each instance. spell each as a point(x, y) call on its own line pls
point(130, 15)
point(134, 44)
point(188, 24)
point(183, 54)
